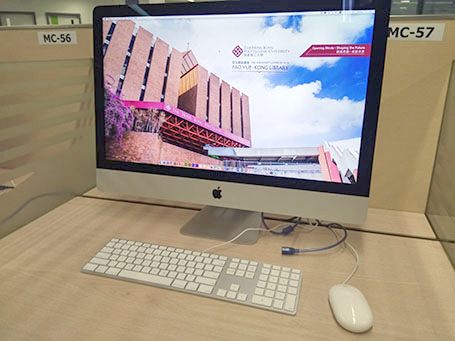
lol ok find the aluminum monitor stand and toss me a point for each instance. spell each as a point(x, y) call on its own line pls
point(224, 224)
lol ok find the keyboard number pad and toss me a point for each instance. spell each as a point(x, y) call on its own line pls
point(277, 288)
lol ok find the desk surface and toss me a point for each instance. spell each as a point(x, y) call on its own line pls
point(409, 283)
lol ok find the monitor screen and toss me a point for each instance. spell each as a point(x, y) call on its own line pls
point(261, 95)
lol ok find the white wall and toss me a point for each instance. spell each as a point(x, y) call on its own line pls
point(41, 7)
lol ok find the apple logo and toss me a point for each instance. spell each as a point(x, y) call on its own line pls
point(217, 193)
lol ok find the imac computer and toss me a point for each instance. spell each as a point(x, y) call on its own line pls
point(242, 106)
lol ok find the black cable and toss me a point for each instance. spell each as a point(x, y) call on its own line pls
point(287, 229)
point(285, 250)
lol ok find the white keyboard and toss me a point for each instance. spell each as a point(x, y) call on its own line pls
point(260, 285)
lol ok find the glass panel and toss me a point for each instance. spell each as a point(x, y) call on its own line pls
point(441, 200)
point(47, 152)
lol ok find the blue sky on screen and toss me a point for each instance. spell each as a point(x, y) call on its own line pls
point(318, 100)
point(347, 78)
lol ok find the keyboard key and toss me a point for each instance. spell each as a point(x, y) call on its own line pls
point(273, 279)
point(241, 297)
point(204, 280)
point(280, 295)
point(145, 277)
point(259, 291)
point(218, 262)
point(103, 255)
point(278, 304)
point(269, 293)
point(221, 292)
point(179, 283)
point(137, 268)
point(271, 286)
point(163, 273)
point(263, 277)
point(90, 267)
point(235, 287)
point(112, 271)
point(99, 261)
point(211, 274)
point(290, 303)
point(231, 294)
point(192, 286)
point(261, 300)
point(283, 281)
point(206, 289)
point(274, 273)
point(242, 267)
point(292, 290)
point(230, 271)
point(295, 277)
point(261, 284)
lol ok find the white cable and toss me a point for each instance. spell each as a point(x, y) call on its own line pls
point(355, 254)
point(357, 261)
point(241, 233)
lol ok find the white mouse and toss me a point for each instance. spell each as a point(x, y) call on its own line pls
point(350, 308)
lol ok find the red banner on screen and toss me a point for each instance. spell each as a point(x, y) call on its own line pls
point(338, 50)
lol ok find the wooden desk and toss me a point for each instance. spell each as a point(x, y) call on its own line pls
point(409, 283)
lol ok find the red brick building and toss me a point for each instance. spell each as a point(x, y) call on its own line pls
point(144, 68)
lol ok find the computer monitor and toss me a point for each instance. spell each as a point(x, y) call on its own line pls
point(254, 106)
